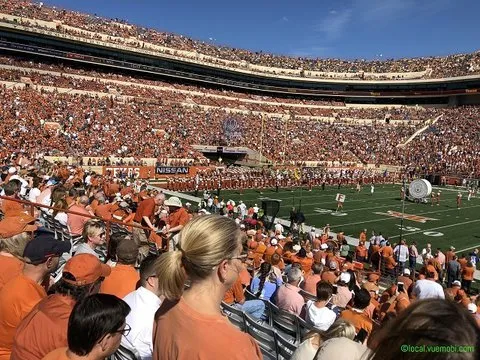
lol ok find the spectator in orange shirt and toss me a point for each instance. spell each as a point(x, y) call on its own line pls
point(14, 236)
point(104, 210)
point(44, 329)
point(361, 252)
point(209, 253)
point(330, 275)
point(102, 317)
point(356, 314)
point(23, 292)
point(305, 262)
point(462, 261)
point(467, 276)
point(11, 208)
point(124, 277)
point(310, 283)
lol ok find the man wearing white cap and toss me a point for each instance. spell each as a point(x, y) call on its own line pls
point(405, 279)
point(177, 217)
point(13, 175)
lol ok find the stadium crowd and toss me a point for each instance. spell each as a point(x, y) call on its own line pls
point(119, 32)
point(178, 272)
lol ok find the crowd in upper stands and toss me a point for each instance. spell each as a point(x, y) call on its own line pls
point(185, 270)
point(119, 32)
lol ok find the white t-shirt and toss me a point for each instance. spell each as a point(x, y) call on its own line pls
point(321, 318)
point(402, 252)
point(428, 289)
point(33, 194)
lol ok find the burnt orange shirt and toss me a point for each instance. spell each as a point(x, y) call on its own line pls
point(10, 267)
point(44, 329)
point(468, 272)
point(104, 211)
point(235, 293)
point(361, 251)
point(122, 281)
point(179, 217)
point(357, 319)
point(145, 208)
point(329, 276)
point(11, 208)
point(182, 333)
point(59, 354)
point(17, 298)
point(305, 263)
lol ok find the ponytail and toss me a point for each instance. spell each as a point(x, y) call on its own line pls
point(265, 271)
point(171, 275)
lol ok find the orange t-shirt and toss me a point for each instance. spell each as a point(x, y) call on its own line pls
point(11, 208)
point(17, 298)
point(44, 329)
point(359, 320)
point(59, 354)
point(122, 281)
point(182, 333)
point(361, 251)
point(305, 263)
point(179, 217)
point(10, 267)
point(468, 272)
point(235, 293)
point(329, 276)
point(104, 211)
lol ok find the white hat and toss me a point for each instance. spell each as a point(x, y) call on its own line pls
point(406, 272)
point(242, 226)
point(281, 237)
point(173, 201)
point(188, 204)
point(296, 248)
point(345, 277)
point(472, 308)
point(12, 170)
point(324, 246)
point(273, 241)
point(456, 283)
point(452, 248)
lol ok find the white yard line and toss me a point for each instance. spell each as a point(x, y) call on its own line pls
point(435, 228)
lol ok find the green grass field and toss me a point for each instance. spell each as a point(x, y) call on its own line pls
point(444, 225)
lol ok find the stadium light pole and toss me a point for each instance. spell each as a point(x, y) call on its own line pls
point(261, 138)
point(403, 212)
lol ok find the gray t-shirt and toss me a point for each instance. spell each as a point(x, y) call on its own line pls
point(83, 248)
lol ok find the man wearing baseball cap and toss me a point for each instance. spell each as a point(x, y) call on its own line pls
point(45, 327)
point(177, 218)
point(23, 292)
point(15, 233)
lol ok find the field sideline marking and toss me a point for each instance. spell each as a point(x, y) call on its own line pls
point(436, 228)
point(470, 248)
point(297, 195)
point(391, 218)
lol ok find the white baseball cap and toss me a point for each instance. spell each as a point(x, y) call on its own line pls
point(406, 272)
point(173, 201)
point(472, 308)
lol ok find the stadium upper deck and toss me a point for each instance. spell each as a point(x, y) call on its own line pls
point(122, 33)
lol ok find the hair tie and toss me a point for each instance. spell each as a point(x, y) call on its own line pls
point(184, 257)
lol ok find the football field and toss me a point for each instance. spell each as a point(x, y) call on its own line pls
point(441, 225)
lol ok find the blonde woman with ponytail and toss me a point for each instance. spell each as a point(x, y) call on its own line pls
point(190, 324)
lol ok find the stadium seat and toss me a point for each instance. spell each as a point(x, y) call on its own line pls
point(286, 323)
point(236, 316)
point(307, 296)
point(285, 348)
point(264, 335)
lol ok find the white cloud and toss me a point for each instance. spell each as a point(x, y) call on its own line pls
point(285, 19)
point(333, 25)
point(313, 51)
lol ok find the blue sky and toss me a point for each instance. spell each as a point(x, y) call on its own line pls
point(347, 29)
